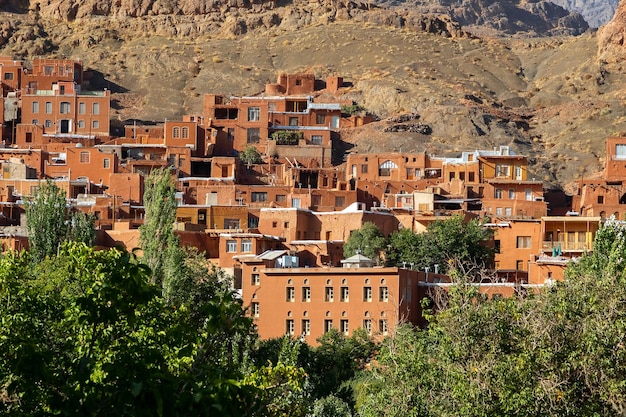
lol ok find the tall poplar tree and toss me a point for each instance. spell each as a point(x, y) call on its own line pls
point(45, 221)
point(160, 245)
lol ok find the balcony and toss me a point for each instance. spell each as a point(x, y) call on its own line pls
point(550, 246)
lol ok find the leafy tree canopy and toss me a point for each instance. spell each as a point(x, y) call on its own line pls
point(369, 240)
point(444, 242)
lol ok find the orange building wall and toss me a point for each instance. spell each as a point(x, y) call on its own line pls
point(274, 309)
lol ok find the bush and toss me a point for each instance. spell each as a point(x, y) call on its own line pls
point(287, 137)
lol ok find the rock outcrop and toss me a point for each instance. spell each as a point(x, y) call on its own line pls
point(595, 12)
point(612, 37)
point(517, 17)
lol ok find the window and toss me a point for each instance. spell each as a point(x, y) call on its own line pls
point(298, 81)
point(82, 108)
point(271, 107)
point(496, 246)
point(255, 279)
point(345, 326)
point(106, 163)
point(367, 325)
point(176, 132)
point(528, 194)
point(81, 124)
point(523, 242)
point(95, 124)
point(363, 168)
point(293, 121)
point(290, 294)
point(383, 294)
point(508, 211)
point(600, 197)
point(306, 294)
point(35, 122)
point(384, 170)
point(35, 107)
point(511, 194)
point(281, 198)
point(320, 119)
point(290, 327)
point(8, 75)
point(519, 265)
point(48, 107)
point(382, 326)
point(254, 114)
point(231, 246)
point(258, 197)
point(367, 293)
point(503, 170)
point(329, 294)
point(246, 245)
point(328, 325)
point(306, 327)
point(498, 193)
point(340, 201)
point(498, 211)
point(48, 123)
point(65, 107)
point(254, 135)
point(316, 139)
point(295, 202)
point(85, 157)
point(255, 309)
point(344, 295)
point(185, 132)
point(620, 151)
point(95, 108)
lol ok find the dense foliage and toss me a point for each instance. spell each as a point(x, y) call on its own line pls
point(368, 240)
point(49, 223)
point(250, 155)
point(560, 352)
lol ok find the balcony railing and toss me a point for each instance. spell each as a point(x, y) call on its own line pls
point(565, 246)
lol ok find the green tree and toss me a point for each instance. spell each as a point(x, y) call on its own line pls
point(86, 333)
point(160, 245)
point(82, 228)
point(447, 242)
point(45, 220)
point(331, 406)
point(250, 156)
point(369, 240)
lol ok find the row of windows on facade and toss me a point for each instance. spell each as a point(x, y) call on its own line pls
point(95, 124)
point(344, 326)
point(499, 193)
point(246, 245)
point(329, 293)
point(316, 200)
point(65, 107)
point(254, 115)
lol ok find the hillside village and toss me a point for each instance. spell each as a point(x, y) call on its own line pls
point(265, 189)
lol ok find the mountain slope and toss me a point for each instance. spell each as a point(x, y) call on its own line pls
point(547, 97)
point(595, 12)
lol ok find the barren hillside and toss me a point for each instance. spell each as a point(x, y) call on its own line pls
point(547, 97)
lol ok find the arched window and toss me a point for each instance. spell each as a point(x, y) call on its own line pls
point(176, 132)
point(384, 170)
point(185, 132)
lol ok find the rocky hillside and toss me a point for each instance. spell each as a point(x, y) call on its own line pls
point(548, 97)
point(595, 12)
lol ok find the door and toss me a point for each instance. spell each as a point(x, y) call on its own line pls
point(65, 126)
